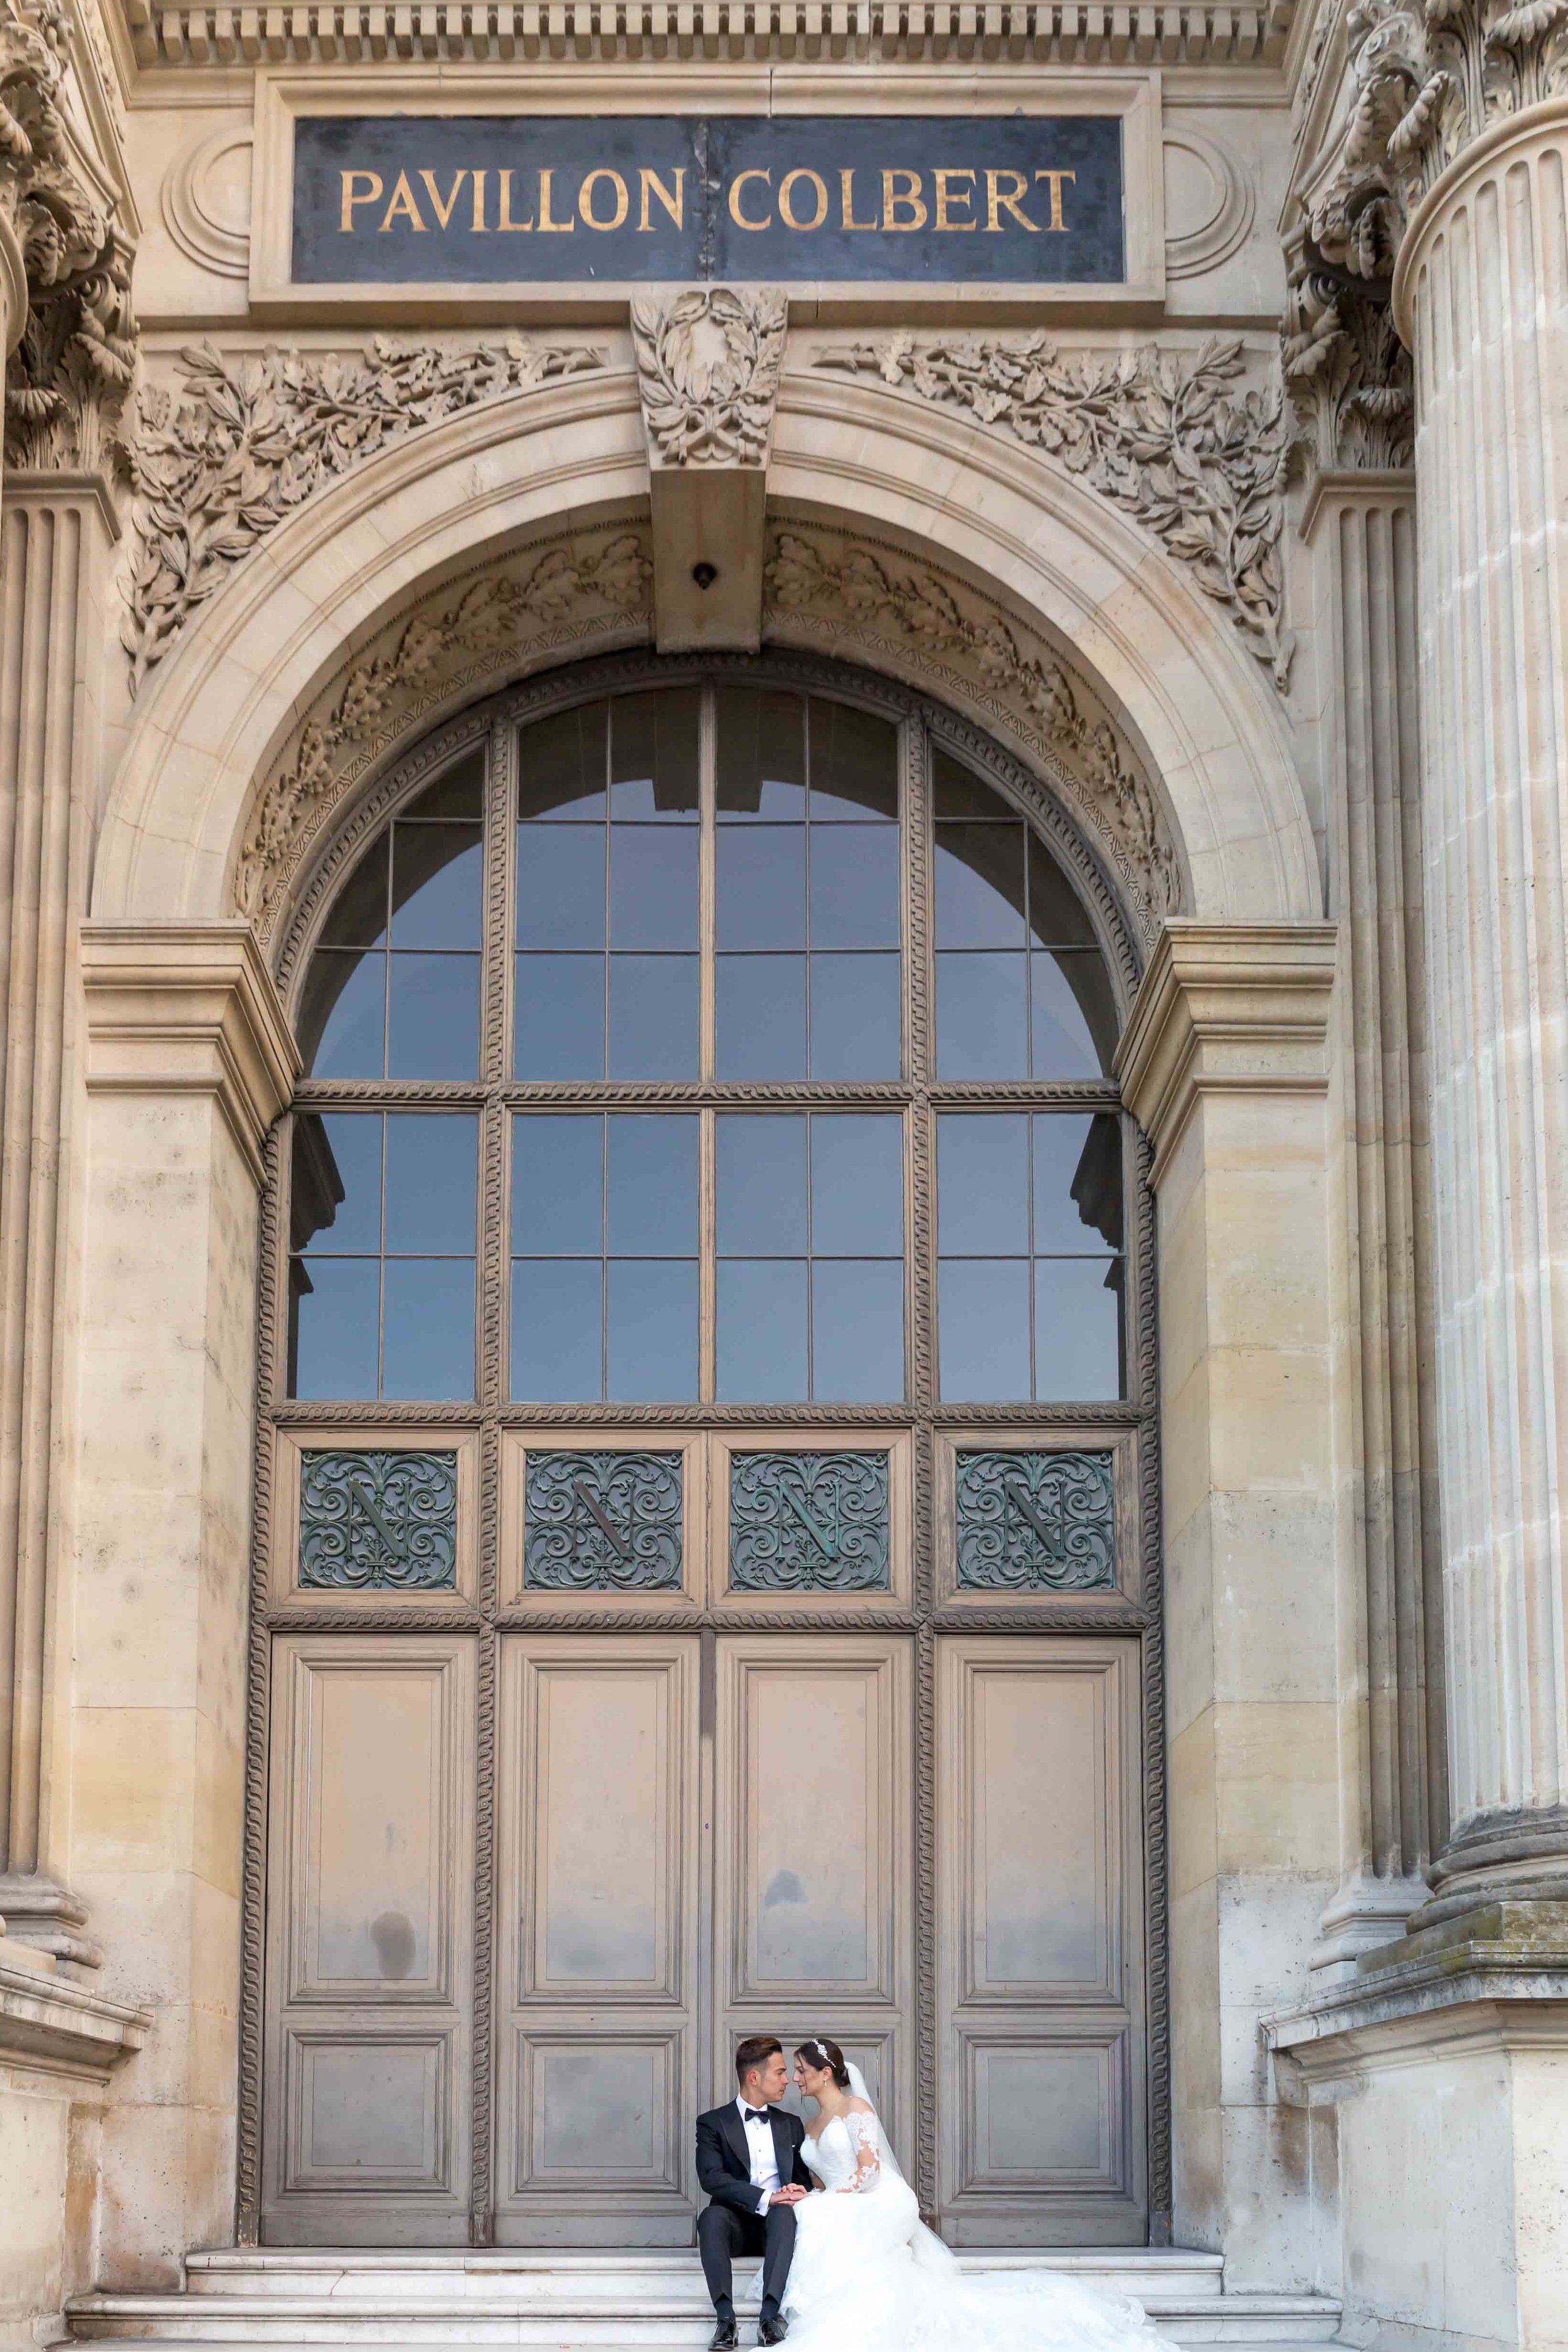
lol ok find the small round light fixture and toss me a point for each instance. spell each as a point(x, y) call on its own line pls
point(705, 574)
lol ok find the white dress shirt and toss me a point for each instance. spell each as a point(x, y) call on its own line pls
point(763, 2155)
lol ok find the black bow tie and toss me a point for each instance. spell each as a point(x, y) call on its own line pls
point(755, 2115)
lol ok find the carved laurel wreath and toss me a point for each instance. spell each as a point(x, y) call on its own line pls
point(707, 370)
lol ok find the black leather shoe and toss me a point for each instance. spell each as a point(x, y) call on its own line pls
point(772, 2331)
point(725, 2339)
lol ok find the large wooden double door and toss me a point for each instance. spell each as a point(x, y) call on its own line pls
point(528, 1888)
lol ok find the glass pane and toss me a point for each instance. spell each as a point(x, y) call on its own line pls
point(1077, 1330)
point(760, 1013)
point(428, 1328)
point(983, 1184)
point(854, 763)
point(982, 1329)
point(854, 1016)
point(357, 917)
point(979, 885)
point(1057, 916)
point(558, 1020)
point(1073, 1014)
point(438, 879)
point(653, 754)
point(652, 1331)
point(761, 1185)
point(1078, 1182)
point(982, 1016)
point(556, 1330)
point(331, 1326)
point(335, 1181)
point(652, 1164)
point(561, 764)
point(761, 887)
point(342, 1015)
point(854, 886)
point(561, 885)
point(653, 887)
point(856, 1186)
point(761, 1331)
point(760, 754)
point(858, 1331)
point(459, 793)
point(653, 1016)
point(956, 793)
point(432, 1172)
point(433, 1021)
point(556, 1187)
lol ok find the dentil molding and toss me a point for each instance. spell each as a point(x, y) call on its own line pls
point(1180, 444)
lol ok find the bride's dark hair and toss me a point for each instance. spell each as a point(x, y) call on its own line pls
point(819, 2051)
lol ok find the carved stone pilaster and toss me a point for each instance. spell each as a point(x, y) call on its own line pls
point(1346, 371)
point(708, 372)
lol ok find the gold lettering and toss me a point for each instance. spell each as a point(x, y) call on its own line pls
point(373, 190)
point(506, 220)
point(546, 176)
point(585, 202)
point(736, 185)
point(675, 205)
point(402, 204)
point(946, 196)
point(847, 192)
point(893, 197)
point(1054, 181)
point(996, 202)
point(787, 207)
point(444, 217)
point(479, 202)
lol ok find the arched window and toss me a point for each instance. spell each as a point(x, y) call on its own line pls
point(696, 904)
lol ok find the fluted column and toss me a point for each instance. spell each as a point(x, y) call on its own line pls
point(56, 540)
point(1360, 528)
point(1481, 295)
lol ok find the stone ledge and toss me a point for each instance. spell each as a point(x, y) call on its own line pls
point(49, 2021)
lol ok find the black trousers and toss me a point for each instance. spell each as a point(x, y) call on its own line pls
point(722, 2233)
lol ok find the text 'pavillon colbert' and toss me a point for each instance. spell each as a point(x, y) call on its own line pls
point(488, 199)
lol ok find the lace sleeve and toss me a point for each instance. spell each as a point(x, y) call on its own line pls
point(864, 2139)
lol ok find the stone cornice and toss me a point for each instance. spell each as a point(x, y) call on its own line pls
point(1226, 1008)
point(51, 2021)
point(188, 1008)
point(202, 33)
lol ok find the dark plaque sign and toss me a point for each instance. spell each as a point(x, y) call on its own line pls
point(487, 199)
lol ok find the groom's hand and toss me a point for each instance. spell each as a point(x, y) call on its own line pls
point(789, 2195)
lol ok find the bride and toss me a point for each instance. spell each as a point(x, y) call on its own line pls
point(868, 2276)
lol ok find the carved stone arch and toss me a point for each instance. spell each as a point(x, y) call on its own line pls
point(339, 840)
point(530, 491)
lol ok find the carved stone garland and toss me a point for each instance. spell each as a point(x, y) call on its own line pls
point(572, 591)
point(253, 438)
point(1191, 455)
point(863, 593)
point(708, 372)
point(69, 379)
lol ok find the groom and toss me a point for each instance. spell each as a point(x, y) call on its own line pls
point(749, 2162)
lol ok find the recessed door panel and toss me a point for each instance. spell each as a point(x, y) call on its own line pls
point(371, 1934)
point(597, 1830)
point(1039, 1941)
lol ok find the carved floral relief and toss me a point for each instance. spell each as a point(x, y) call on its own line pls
point(708, 372)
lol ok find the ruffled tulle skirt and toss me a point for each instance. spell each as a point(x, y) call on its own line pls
point(867, 2276)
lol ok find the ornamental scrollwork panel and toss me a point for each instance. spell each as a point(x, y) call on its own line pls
point(1035, 1522)
point(809, 1523)
point(603, 1522)
point(378, 1522)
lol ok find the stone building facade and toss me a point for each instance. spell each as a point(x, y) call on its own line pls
point(1049, 1559)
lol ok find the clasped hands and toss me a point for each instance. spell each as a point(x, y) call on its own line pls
point(791, 2194)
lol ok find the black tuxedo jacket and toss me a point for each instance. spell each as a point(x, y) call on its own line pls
point(724, 2161)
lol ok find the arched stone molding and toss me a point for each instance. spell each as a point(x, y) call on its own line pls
point(228, 707)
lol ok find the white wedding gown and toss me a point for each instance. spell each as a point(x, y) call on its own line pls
point(867, 2276)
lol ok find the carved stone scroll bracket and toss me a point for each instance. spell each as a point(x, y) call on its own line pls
point(1182, 444)
point(549, 599)
point(708, 369)
point(864, 599)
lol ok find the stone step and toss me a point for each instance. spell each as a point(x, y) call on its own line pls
point(602, 2301)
